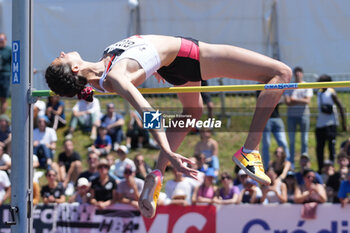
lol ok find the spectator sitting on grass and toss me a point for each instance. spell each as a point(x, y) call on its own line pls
point(142, 168)
point(229, 193)
point(87, 115)
point(55, 112)
point(310, 191)
point(69, 166)
point(179, 182)
point(205, 193)
point(305, 164)
point(276, 192)
point(113, 122)
point(117, 172)
point(103, 143)
point(92, 172)
point(103, 188)
point(251, 193)
point(129, 189)
point(44, 142)
point(53, 192)
point(291, 185)
point(82, 195)
point(280, 164)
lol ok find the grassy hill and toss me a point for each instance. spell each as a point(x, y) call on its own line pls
point(231, 137)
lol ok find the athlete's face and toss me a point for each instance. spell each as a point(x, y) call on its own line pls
point(70, 58)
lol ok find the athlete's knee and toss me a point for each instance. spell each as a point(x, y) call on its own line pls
point(284, 73)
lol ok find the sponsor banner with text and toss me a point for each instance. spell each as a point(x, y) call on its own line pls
point(75, 218)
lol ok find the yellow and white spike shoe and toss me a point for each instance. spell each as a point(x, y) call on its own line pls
point(252, 165)
point(150, 193)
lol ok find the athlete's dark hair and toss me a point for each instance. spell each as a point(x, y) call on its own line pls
point(62, 80)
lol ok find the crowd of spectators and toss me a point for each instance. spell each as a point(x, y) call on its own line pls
point(113, 176)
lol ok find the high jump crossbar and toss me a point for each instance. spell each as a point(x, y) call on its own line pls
point(226, 88)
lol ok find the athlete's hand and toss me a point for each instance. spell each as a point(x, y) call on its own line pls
point(178, 161)
point(159, 77)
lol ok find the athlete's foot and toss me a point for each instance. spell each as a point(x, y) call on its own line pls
point(150, 193)
point(252, 165)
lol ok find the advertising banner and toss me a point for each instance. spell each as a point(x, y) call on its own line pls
point(75, 218)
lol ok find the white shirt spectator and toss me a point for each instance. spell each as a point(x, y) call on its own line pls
point(324, 119)
point(41, 105)
point(106, 121)
point(196, 183)
point(91, 107)
point(4, 183)
point(46, 137)
point(184, 185)
point(127, 191)
point(117, 171)
point(4, 159)
point(299, 110)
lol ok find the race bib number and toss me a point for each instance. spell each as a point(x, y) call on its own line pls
point(120, 45)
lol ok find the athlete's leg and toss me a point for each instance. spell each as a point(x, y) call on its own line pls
point(192, 105)
point(237, 63)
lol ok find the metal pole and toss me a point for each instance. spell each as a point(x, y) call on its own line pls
point(22, 122)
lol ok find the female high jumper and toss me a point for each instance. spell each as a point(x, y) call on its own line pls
point(182, 62)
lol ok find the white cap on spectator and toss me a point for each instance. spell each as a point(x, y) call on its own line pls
point(123, 148)
point(241, 172)
point(83, 182)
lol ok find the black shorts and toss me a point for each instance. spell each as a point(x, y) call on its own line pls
point(186, 66)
